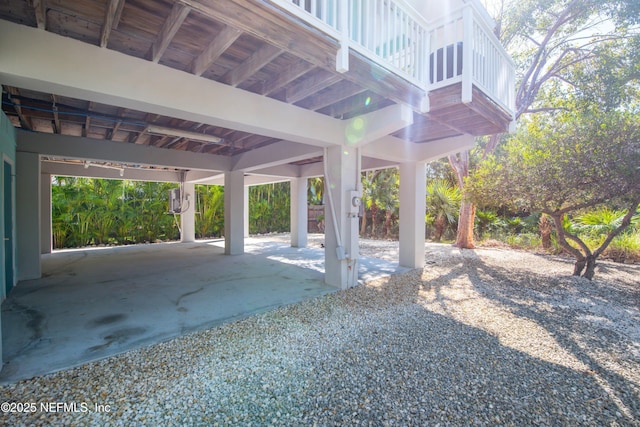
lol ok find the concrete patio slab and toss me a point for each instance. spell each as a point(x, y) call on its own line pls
point(94, 303)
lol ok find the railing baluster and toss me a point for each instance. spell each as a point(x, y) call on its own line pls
point(358, 12)
point(387, 29)
point(427, 55)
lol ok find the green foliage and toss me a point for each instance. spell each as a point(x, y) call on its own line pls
point(443, 205)
point(315, 191)
point(598, 222)
point(209, 211)
point(269, 208)
point(565, 163)
point(93, 211)
point(625, 247)
point(486, 222)
point(380, 198)
point(527, 241)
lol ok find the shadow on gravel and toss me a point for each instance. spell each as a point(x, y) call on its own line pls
point(398, 361)
point(591, 320)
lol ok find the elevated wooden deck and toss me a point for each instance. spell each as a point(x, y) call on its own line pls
point(252, 45)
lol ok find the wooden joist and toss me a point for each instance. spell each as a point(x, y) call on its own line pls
point(311, 85)
point(40, 11)
point(112, 16)
point(255, 62)
point(171, 26)
point(217, 47)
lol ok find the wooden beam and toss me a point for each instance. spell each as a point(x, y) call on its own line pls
point(290, 34)
point(171, 26)
point(274, 154)
point(138, 174)
point(238, 138)
point(379, 80)
point(265, 23)
point(311, 85)
point(111, 78)
point(40, 10)
point(299, 68)
point(138, 139)
point(74, 147)
point(57, 128)
point(111, 19)
point(257, 141)
point(111, 132)
point(223, 40)
point(25, 122)
point(174, 140)
point(253, 64)
point(87, 119)
point(338, 92)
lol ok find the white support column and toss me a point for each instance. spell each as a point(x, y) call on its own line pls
point(342, 178)
point(46, 244)
point(246, 211)
point(188, 214)
point(412, 212)
point(28, 215)
point(234, 213)
point(299, 212)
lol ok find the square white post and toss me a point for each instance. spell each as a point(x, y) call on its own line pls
point(412, 212)
point(28, 215)
point(246, 211)
point(298, 188)
point(342, 178)
point(188, 214)
point(46, 244)
point(234, 213)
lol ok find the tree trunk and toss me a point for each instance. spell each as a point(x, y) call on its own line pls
point(374, 218)
point(591, 268)
point(584, 257)
point(440, 224)
point(387, 223)
point(464, 236)
point(578, 267)
point(545, 231)
point(363, 223)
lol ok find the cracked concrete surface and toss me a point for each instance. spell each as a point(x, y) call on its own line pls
point(93, 303)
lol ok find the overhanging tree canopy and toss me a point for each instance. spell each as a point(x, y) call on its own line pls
point(565, 162)
point(554, 42)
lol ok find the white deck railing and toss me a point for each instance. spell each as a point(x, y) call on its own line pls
point(429, 55)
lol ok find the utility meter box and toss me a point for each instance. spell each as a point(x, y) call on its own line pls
point(175, 202)
point(355, 199)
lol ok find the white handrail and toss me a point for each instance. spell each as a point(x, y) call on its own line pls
point(459, 48)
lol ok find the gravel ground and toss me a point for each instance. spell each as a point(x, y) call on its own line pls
point(483, 337)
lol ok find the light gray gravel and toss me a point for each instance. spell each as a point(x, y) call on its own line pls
point(483, 337)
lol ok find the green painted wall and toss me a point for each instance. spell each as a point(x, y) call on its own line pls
point(8, 154)
point(7, 137)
